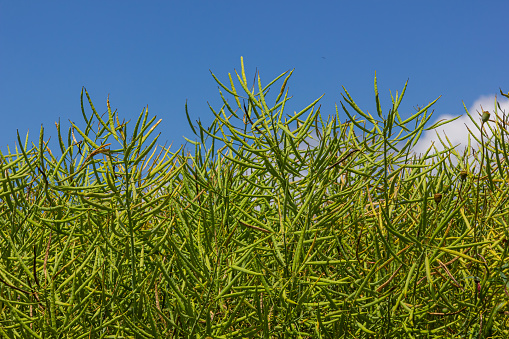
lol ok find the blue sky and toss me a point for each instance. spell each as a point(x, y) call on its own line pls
point(159, 54)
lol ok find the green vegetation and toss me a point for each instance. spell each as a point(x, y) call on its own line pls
point(278, 226)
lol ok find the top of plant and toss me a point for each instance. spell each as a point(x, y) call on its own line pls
point(279, 224)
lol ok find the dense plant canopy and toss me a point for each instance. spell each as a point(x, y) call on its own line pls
point(276, 225)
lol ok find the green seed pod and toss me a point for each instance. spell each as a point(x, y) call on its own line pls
point(485, 116)
point(437, 197)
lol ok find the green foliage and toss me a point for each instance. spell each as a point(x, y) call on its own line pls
point(279, 225)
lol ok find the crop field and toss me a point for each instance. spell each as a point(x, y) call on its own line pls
point(267, 224)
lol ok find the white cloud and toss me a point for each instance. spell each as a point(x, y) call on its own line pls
point(457, 131)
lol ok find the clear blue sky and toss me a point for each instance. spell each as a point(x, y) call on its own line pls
point(159, 54)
